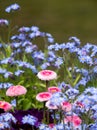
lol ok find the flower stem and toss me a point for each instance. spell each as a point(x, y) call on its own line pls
point(60, 116)
point(16, 102)
point(32, 128)
point(63, 115)
point(44, 113)
point(48, 116)
point(47, 84)
point(54, 111)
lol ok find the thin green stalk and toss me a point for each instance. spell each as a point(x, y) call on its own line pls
point(48, 114)
point(76, 80)
point(32, 127)
point(16, 102)
point(45, 41)
point(47, 84)
point(44, 113)
point(54, 112)
point(83, 125)
point(72, 115)
point(60, 112)
point(63, 120)
point(9, 32)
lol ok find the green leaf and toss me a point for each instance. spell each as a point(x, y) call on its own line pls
point(8, 50)
point(26, 104)
point(21, 82)
point(76, 80)
point(69, 74)
point(40, 84)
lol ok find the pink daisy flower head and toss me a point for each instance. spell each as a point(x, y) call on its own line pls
point(16, 90)
point(74, 119)
point(51, 126)
point(81, 105)
point(5, 105)
point(53, 89)
point(50, 105)
point(66, 106)
point(43, 96)
point(47, 75)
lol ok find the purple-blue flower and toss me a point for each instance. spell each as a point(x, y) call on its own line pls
point(6, 120)
point(26, 65)
point(4, 22)
point(92, 126)
point(8, 74)
point(7, 117)
point(34, 28)
point(42, 126)
point(86, 59)
point(5, 85)
point(39, 55)
point(8, 60)
point(94, 51)
point(50, 40)
point(95, 69)
point(29, 49)
point(16, 44)
point(29, 119)
point(45, 65)
point(24, 29)
point(58, 62)
point(58, 98)
point(91, 91)
point(60, 126)
point(26, 43)
point(76, 40)
point(4, 125)
point(2, 71)
point(72, 93)
point(84, 72)
point(13, 7)
point(19, 72)
point(63, 86)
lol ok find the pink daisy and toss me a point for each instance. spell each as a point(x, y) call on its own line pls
point(43, 96)
point(47, 75)
point(5, 105)
point(73, 119)
point(66, 106)
point(16, 90)
point(51, 126)
point(81, 105)
point(53, 89)
point(49, 105)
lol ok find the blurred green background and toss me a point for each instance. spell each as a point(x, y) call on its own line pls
point(61, 18)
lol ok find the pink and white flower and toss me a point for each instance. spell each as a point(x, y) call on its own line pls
point(43, 96)
point(73, 119)
point(66, 106)
point(53, 89)
point(51, 126)
point(81, 105)
point(47, 75)
point(5, 105)
point(16, 90)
